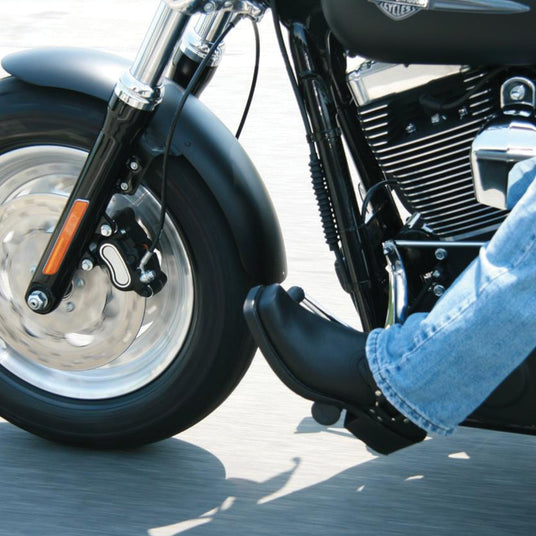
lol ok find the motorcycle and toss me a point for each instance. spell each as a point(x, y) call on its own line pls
point(133, 223)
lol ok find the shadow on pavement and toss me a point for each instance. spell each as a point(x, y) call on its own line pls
point(465, 484)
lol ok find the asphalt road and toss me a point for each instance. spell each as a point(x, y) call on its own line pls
point(258, 465)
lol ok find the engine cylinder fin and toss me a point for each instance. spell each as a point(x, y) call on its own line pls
point(428, 153)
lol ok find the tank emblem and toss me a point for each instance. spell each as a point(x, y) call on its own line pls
point(401, 9)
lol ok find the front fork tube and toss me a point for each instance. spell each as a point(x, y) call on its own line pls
point(86, 206)
point(135, 96)
point(321, 111)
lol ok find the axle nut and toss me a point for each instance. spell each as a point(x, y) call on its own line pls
point(37, 300)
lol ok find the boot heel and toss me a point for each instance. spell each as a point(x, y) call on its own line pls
point(378, 436)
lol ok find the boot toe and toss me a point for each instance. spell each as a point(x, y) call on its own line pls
point(319, 359)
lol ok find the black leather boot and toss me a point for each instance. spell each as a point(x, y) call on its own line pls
point(325, 361)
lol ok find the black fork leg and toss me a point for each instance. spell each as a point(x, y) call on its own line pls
point(135, 97)
point(86, 205)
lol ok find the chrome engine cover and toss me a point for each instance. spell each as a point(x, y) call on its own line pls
point(428, 152)
point(495, 150)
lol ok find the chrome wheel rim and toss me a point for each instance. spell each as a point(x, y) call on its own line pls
point(101, 342)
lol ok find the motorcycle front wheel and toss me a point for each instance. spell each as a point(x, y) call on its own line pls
point(109, 368)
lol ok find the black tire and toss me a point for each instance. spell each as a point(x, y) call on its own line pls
point(217, 348)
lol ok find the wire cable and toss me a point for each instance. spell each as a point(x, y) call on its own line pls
point(372, 190)
point(187, 92)
point(253, 80)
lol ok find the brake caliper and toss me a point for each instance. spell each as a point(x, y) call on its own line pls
point(123, 252)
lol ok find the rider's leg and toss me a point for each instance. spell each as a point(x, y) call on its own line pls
point(437, 368)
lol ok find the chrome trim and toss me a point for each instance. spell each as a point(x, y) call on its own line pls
point(137, 94)
point(397, 309)
point(375, 80)
point(493, 152)
point(436, 244)
point(479, 6)
point(201, 34)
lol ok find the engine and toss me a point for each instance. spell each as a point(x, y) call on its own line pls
point(421, 123)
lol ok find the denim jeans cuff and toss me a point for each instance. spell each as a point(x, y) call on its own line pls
point(381, 375)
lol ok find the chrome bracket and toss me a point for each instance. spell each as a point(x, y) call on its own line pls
point(398, 285)
point(137, 94)
point(518, 96)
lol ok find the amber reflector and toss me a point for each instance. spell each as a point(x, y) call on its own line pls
point(66, 236)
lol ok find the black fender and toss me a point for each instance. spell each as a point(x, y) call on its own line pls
point(200, 137)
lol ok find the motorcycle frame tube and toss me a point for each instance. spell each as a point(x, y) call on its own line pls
point(321, 111)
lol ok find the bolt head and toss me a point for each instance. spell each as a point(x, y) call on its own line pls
point(440, 254)
point(106, 230)
point(87, 265)
point(70, 307)
point(518, 92)
point(438, 290)
point(410, 128)
point(134, 166)
point(124, 186)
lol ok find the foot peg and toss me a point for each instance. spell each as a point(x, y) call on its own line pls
point(325, 414)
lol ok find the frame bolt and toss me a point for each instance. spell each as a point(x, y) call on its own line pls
point(70, 307)
point(37, 300)
point(438, 290)
point(124, 186)
point(440, 254)
point(134, 165)
point(87, 265)
point(106, 230)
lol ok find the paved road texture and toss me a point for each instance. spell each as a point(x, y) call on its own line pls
point(258, 465)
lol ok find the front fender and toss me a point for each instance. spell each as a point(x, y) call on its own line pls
point(200, 137)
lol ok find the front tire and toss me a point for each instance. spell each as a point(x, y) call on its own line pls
point(109, 368)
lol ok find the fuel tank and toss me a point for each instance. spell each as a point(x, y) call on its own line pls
point(469, 32)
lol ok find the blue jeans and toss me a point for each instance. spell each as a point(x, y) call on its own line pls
point(438, 367)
